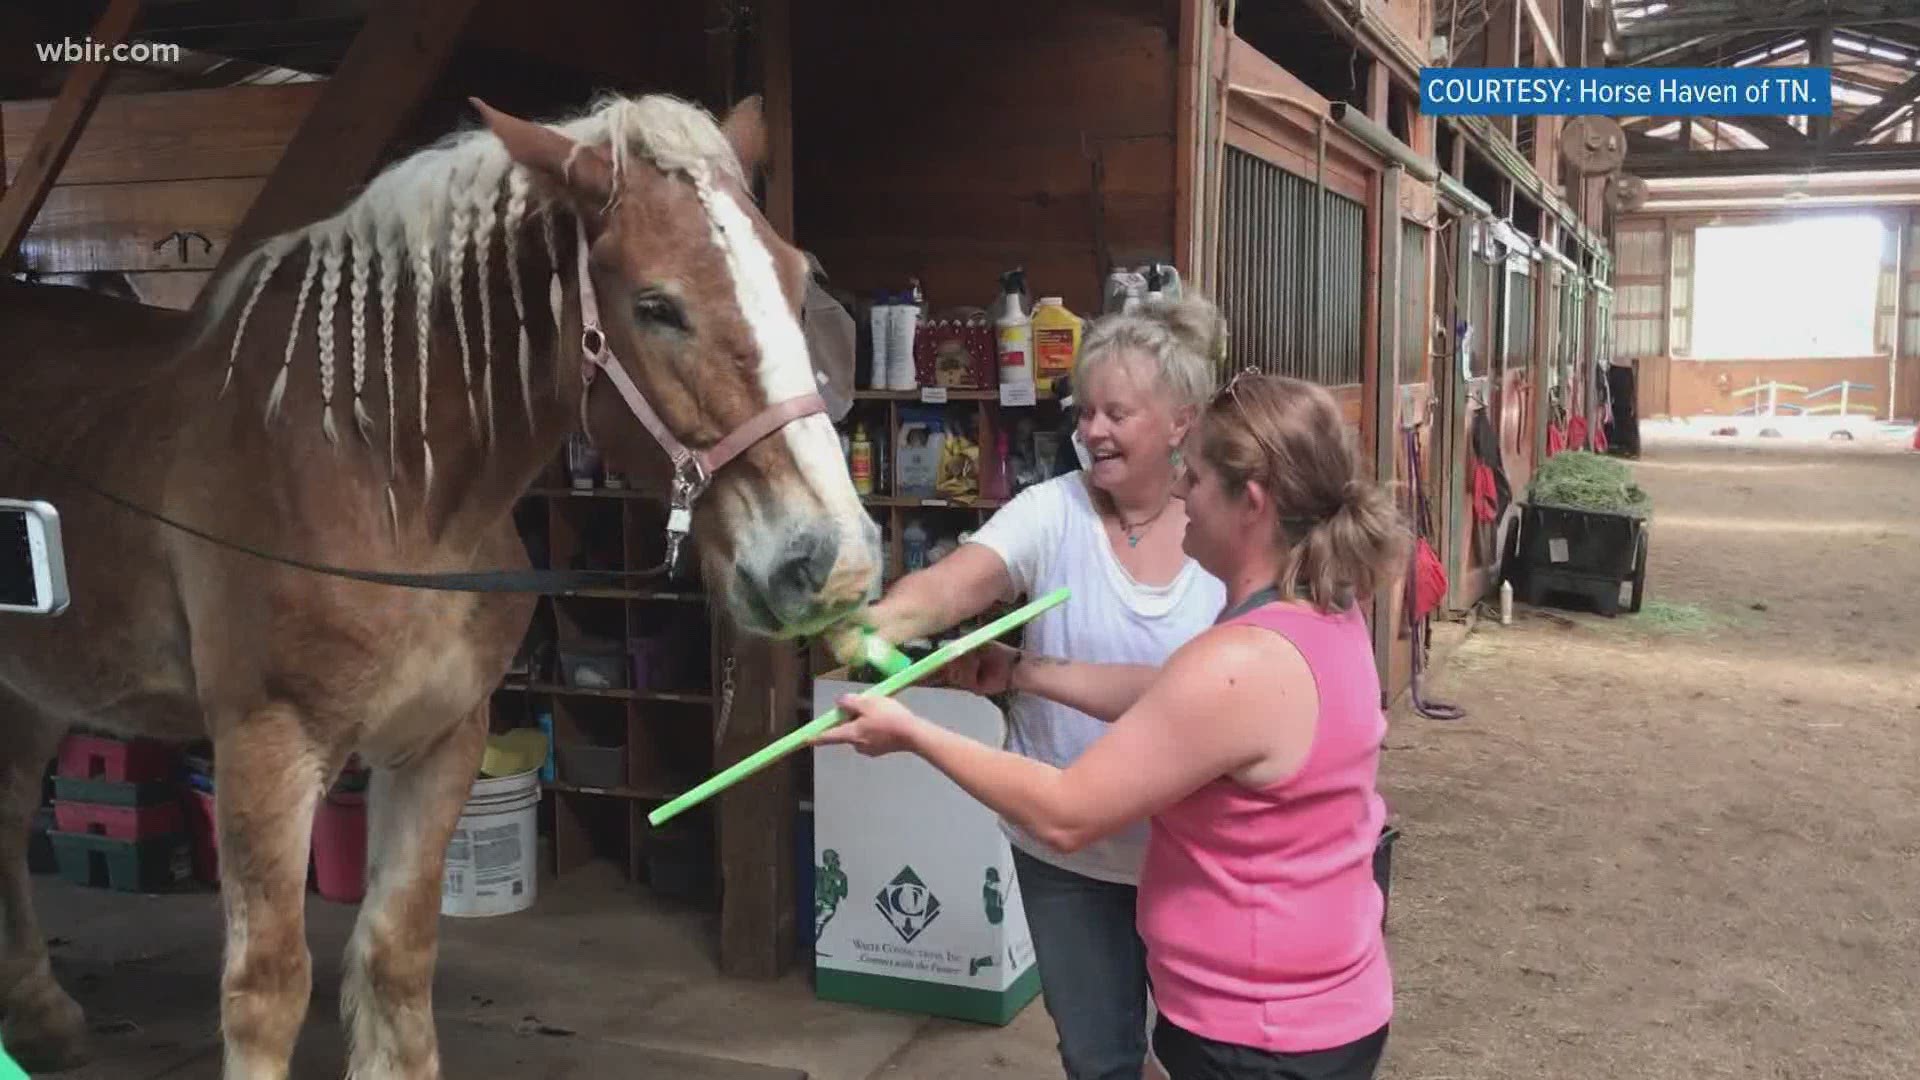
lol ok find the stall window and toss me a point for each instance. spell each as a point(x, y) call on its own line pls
point(1413, 302)
point(1272, 264)
point(1486, 325)
point(1519, 337)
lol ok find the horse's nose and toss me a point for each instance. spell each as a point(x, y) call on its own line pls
point(803, 569)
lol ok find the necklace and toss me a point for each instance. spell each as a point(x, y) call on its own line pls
point(1139, 529)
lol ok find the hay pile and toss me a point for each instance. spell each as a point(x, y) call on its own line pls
point(1582, 480)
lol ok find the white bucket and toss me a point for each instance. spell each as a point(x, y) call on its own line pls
point(493, 857)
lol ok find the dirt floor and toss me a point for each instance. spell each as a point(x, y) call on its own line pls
point(1682, 843)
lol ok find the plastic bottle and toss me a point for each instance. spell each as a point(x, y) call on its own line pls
point(913, 542)
point(902, 322)
point(881, 318)
point(1056, 341)
point(862, 464)
point(1013, 332)
point(1506, 603)
point(993, 471)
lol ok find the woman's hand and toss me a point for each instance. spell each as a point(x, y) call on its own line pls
point(875, 726)
point(986, 670)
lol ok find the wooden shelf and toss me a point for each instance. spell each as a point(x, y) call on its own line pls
point(648, 793)
point(908, 503)
point(615, 695)
point(953, 394)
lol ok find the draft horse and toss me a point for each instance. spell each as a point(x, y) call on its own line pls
point(609, 272)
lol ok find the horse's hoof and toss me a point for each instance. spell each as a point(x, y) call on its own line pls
point(48, 1040)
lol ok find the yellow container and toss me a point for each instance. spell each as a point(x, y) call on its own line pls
point(1056, 342)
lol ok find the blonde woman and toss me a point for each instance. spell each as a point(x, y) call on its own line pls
point(1112, 532)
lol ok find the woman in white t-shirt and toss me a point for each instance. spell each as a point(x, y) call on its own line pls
point(1112, 533)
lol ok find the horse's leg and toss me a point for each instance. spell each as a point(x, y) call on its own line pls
point(387, 1003)
point(268, 780)
point(44, 1030)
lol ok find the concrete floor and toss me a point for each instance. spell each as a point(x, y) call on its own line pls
point(598, 980)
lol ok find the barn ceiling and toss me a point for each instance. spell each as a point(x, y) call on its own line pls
point(1873, 47)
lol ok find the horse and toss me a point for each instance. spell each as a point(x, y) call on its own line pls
point(233, 482)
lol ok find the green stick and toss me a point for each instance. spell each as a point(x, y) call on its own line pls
point(892, 684)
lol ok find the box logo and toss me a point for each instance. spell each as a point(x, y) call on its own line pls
point(907, 904)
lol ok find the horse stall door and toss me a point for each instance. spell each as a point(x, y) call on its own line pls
point(1448, 384)
point(1516, 374)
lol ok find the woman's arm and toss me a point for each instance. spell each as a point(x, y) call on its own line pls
point(1102, 691)
point(925, 602)
point(1232, 698)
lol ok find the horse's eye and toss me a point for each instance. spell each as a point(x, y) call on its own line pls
point(659, 310)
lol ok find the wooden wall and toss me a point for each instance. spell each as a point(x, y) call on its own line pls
point(953, 149)
point(153, 166)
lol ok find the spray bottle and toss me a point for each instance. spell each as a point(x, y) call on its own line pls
point(1013, 331)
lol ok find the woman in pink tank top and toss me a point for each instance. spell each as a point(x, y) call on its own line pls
point(1253, 753)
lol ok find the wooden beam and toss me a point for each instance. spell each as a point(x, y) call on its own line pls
point(1866, 120)
point(393, 62)
point(1753, 162)
point(1544, 33)
point(85, 82)
point(1772, 130)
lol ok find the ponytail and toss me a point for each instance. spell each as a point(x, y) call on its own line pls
point(1347, 556)
point(1340, 537)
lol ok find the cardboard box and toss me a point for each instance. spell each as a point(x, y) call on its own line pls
point(916, 906)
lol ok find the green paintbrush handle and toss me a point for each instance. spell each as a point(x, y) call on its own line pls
point(799, 737)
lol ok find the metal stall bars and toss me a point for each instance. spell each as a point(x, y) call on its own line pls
point(1286, 317)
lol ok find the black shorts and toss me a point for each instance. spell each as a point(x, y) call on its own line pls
point(1187, 1056)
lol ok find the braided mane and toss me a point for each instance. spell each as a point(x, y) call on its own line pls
point(426, 219)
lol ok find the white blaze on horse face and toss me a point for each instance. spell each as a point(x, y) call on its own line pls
point(786, 368)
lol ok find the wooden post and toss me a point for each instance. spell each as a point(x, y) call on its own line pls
point(1385, 385)
point(1458, 430)
point(756, 818)
point(81, 92)
point(392, 63)
point(1188, 128)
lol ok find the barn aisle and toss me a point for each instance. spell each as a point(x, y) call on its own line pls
point(1683, 843)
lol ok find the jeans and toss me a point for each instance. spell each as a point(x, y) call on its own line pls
point(1187, 1056)
point(1093, 968)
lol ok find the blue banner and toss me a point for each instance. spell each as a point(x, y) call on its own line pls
point(1633, 91)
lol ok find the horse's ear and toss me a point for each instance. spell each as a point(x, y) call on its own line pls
point(549, 154)
point(746, 128)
